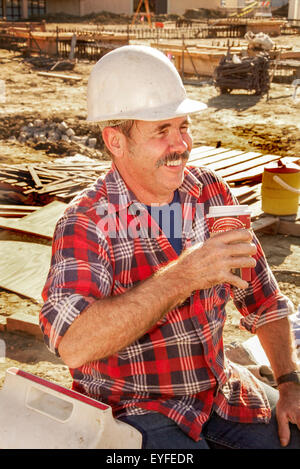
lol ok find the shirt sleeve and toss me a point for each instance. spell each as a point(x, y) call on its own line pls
point(80, 273)
point(262, 301)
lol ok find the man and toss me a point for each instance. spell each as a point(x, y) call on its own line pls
point(137, 313)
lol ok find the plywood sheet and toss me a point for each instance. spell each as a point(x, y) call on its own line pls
point(24, 267)
point(41, 222)
point(16, 211)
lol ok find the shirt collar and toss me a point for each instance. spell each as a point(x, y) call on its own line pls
point(121, 196)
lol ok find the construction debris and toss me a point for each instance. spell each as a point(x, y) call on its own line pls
point(45, 131)
point(247, 73)
point(49, 63)
point(259, 41)
point(40, 184)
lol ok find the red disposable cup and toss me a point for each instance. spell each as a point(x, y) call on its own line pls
point(223, 218)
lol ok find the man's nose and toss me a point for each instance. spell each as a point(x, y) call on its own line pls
point(177, 143)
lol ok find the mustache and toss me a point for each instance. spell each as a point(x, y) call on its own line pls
point(173, 157)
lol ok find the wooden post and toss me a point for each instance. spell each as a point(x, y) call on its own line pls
point(24, 9)
point(147, 11)
point(57, 41)
point(73, 45)
point(4, 9)
point(182, 59)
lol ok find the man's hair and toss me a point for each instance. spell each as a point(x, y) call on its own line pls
point(124, 126)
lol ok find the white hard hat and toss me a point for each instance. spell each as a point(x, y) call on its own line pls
point(137, 82)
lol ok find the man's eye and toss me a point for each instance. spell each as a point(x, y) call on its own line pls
point(184, 129)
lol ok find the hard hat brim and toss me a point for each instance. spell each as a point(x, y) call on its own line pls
point(171, 111)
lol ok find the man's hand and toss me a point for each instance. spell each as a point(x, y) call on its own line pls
point(207, 265)
point(278, 341)
point(287, 410)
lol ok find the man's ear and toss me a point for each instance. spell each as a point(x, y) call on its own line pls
point(114, 140)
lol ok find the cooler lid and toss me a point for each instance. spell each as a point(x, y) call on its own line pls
point(284, 165)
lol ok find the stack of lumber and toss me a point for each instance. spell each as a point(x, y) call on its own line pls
point(43, 182)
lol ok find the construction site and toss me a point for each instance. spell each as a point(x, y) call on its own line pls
point(243, 63)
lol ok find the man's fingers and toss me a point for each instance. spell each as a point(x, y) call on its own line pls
point(242, 249)
point(239, 262)
point(235, 281)
point(283, 429)
point(234, 236)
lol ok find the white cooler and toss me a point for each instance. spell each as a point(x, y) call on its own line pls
point(38, 414)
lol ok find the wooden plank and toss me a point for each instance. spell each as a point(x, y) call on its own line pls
point(238, 159)
point(24, 267)
point(210, 159)
point(289, 228)
point(11, 214)
point(34, 176)
point(25, 323)
point(251, 198)
point(249, 173)
point(60, 75)
point(248, 165)
point(201, 149)
point(21, 208)
point(39, 223)
point(242, 191)
point(264, 222)
point(204, 154)
point(64, 182)
point(256, 210)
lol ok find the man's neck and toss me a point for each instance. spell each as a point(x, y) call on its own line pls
point(146, 197)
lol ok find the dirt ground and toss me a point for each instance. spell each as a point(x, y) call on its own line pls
point(238, 121)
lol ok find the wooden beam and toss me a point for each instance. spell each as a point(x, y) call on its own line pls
point(265, 222)
point(289, 228)
point(60, 75)
point(34, 176)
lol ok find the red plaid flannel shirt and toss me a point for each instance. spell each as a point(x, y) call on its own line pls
point(178, 367)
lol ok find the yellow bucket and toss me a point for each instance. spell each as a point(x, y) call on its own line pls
point(281, 188)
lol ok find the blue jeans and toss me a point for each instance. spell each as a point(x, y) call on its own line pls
point(160, 432)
